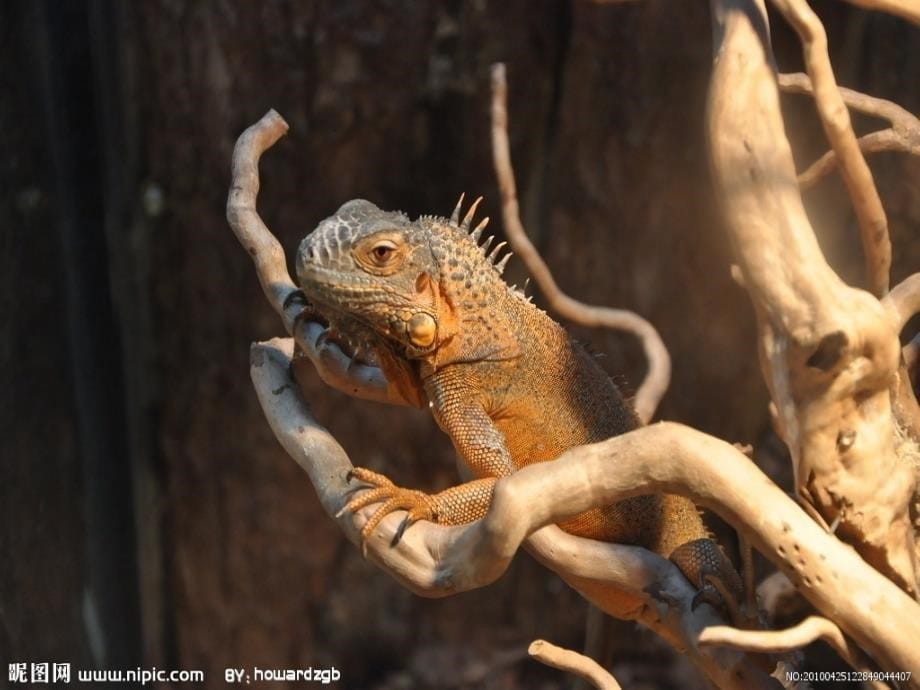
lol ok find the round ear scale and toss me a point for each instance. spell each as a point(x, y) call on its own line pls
point(422, 330)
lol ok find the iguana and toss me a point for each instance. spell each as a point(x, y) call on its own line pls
point(503, 380)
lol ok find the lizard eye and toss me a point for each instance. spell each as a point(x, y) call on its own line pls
point(382, 252)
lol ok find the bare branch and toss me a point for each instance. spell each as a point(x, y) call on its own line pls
point(782, 641)
point(573, 662)
point(902, 136)
point(906, 9)
point(835, 119)
point(903, 302)
point(875, 142)
point(658, 376)
point(265, 250)
point(829, 352)
point(800, 83)
point(911, 354)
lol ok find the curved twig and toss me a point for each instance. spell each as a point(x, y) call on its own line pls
point(902, 136)
point(903, 302)
point(874, 142)
point(911, 354)
point(835, 119)
point(658, 376)
point(573, 662)
point(788, 640)
point(266, 252)
point(896, 115)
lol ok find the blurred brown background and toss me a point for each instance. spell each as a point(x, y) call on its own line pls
point(147, 515)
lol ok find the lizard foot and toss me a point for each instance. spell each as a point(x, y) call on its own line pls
point(295, 296)
point(703, 563)
point(307, 310)
point(418, 504)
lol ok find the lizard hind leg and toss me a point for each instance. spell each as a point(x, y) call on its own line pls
point(708, 569)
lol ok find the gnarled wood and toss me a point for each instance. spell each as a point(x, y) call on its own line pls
point(829, 352)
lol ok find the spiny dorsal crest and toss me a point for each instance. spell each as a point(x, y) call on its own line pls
point(476, 233)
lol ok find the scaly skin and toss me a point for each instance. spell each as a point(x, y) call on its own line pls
point(502, 379)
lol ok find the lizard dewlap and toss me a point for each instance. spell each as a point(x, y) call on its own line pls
point(502, 379)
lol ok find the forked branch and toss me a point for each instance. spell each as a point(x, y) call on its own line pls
point(829, 352)
point(902, 136)
point(835, 119)
point(658, 376)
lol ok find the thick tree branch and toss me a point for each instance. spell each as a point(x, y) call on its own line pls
point(902, 136)
point(670, 458)
point(656, 381)
point(835, 119)
point(829, 352)
point(573, 662)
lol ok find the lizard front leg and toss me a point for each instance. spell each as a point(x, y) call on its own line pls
point(381, 379)
point(482, 447)
point(457, 505)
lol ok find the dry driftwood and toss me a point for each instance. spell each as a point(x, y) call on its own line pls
point(829, 354)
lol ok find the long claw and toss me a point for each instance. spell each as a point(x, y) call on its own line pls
point(401, 530)
point(381, 512)
point(367, 476)
point(419, 506)
point(382, 493)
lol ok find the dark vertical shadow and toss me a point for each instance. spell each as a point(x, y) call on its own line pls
point(61, 60)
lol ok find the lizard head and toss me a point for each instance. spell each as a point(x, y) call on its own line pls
point(412, 283)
